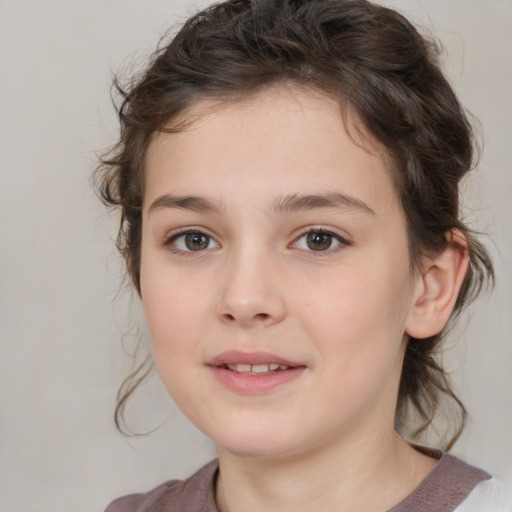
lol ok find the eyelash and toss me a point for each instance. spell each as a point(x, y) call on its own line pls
point(170, 241)
point(342, 242)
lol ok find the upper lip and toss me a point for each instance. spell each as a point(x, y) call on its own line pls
point(238, 357)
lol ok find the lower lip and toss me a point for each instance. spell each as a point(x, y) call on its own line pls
point(255, 384)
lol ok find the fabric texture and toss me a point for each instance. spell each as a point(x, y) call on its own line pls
point(453, 486)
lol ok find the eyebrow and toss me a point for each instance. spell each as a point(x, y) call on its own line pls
point(298, 202)
point(197, 204)
point(287, 204)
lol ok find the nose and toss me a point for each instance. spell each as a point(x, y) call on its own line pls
point(250, 293)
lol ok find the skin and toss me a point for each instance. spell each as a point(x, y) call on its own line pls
point(344, 313)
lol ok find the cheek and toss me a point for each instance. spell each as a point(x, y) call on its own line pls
point(359, 340)
point(359, 314)
point(173, 309)
point(176, 314)
point(172, 313)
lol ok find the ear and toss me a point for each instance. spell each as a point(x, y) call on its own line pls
point(437, 288)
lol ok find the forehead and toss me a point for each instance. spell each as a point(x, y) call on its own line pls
point(280, 141)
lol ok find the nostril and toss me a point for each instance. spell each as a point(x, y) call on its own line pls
point(258, 316)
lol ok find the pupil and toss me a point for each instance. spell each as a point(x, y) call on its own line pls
point(196, 241)
point(319, 241)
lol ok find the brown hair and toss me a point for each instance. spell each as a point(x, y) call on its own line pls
point(373, 61)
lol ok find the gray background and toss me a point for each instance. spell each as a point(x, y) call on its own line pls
point(61, 315)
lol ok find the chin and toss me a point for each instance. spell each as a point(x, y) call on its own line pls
point(259, 444)
point(257, 452)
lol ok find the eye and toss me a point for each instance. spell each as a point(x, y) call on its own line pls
point(319, 241)
point(192, 241)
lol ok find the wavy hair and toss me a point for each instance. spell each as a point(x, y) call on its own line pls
point(378, 66)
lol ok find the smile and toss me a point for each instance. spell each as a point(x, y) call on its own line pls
point(253, 373)
point(257, 369)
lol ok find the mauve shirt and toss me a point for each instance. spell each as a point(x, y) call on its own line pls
point(445, 488)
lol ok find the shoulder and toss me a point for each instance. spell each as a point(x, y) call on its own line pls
point(456, 486)
point(195, 493)
point(492, 495)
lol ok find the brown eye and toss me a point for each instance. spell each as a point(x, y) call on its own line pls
point(196, 241)
point(319, 241)
point(193, 242)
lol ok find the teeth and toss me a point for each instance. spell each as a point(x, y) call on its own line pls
point(256, 369)
point(242, 368)
point(260, 368)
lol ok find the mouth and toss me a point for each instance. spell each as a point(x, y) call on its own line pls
point(256, 369)
point(252, 363)
point(253, 373)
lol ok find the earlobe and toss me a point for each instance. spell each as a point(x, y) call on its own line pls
point(437, 288)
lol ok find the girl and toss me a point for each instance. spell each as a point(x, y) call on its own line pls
point(287, 176)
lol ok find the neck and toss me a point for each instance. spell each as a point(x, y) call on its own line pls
point(335, 478)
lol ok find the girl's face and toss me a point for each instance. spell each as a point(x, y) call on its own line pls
point(275, 276)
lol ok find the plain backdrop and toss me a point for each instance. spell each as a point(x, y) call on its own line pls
point(62, 315)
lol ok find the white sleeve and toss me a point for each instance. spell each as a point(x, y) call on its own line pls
point(491, 495)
